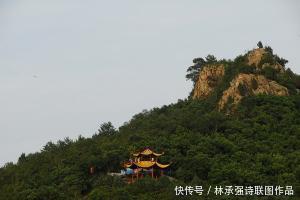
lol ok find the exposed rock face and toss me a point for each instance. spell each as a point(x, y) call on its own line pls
point(243, 84)
point(250, 84)
point(208, 80)
point(256, 55)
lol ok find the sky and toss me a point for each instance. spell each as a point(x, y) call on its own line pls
point(68, 66)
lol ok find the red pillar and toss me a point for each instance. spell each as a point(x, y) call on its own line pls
point(152, 173)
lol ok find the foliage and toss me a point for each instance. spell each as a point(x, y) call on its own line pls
point(106, 128)
point(271, 58)
point(260, 45)
point(259, 144)
point(243, 90)
point(199, 63)
point(254, 83)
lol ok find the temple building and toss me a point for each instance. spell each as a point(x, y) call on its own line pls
point(144, 163)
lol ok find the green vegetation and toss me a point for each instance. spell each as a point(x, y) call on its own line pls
point(193, 71)
point(272, 58)
point(287, 78)
point(254, 84)
point(243, 89)
point(259, 144)
point(260, 45)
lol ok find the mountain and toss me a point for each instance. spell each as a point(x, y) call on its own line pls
point(257, 72)
point(239, 126)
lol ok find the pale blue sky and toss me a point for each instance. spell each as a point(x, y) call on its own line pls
point(67, 66)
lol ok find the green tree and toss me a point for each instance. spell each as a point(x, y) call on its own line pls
point(260, 45)
point(106, 129)
point(210, 59)
point(193, 71)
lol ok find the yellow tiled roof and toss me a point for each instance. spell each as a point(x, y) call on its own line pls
point(147, 152)
point(161, 165)
point(147, 164)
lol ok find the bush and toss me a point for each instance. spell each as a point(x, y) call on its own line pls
point(254, 83)
point(243, 90)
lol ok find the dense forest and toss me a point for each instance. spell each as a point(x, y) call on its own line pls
point(256, 144)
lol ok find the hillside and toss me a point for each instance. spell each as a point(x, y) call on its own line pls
point(239, 126)
point(257, 72)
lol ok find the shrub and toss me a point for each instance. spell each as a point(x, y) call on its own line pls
point(254, 84)
point(243, 90)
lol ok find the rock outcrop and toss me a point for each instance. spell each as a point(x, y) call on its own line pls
point(242, 84)
point(256, 55)
point(250, 84)
point(209, 78)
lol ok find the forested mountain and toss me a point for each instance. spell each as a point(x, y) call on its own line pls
point(239, 126)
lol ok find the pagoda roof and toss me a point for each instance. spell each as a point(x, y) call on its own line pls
point(146, 164)
point(147, 152)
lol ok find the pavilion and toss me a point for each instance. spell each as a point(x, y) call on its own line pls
point(144, 163)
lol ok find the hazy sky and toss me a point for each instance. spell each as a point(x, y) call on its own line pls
point(67, 66)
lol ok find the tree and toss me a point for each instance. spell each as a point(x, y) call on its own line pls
point(281, 61)
point(210, 59)
point(243, 90)
point(260, 45)
point(106, 128)
point(256, 144)
point(22, 158)
point(297, 82)
point(193, 71)
point(269, 73)
point(269, 49)
point(254, 83)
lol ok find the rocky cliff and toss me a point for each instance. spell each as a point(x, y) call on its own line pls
point(209, 78)
point(242, 84)
point(255, 57)
point(250, 84)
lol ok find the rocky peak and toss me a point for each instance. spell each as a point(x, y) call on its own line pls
point(241, 79)
point(257, 55)
point(250, 84)
point(208, 79)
